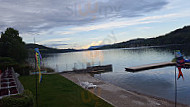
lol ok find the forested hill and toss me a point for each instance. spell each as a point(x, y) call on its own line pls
point(44, 49)
point(179, 36)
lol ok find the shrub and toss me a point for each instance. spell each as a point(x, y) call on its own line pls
point(21, 100)
point(48, 69)
point(22, 69)
point(7, 62)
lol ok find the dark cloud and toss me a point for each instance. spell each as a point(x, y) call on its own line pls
point(41, 15)
point(54, 45)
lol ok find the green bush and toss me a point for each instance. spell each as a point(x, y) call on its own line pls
point(48, 69)
point(174, 60)
point(22, 69)
point(21, 100)
point(7, 62)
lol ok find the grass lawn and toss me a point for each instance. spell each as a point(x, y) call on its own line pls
point(57, 91)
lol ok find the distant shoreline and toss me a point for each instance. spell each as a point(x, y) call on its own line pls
point(140, 47)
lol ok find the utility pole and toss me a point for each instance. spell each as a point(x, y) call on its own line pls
point(36, 78)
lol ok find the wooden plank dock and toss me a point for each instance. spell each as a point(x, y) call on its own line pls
point(152, 66)
point(92, 69)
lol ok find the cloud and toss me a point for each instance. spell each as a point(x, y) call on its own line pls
point(56, 40)
point(94, 43)
point(38, 16)
point(55, 45)
point(121, 23)
point(64, 32)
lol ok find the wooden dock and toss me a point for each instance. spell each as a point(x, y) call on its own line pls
point(152, 66)
point(92, 69)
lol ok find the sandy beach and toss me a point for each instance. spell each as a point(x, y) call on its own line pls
point(117, 96)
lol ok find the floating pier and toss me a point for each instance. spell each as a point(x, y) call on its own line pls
point(152, 66)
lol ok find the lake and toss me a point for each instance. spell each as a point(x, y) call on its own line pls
point(156, 82)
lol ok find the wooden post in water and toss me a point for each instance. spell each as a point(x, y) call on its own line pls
point(57, 69)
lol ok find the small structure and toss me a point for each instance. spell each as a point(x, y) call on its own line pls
point(9, 83)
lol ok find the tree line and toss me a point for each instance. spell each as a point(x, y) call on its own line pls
point(179, 36)
point(12, 45)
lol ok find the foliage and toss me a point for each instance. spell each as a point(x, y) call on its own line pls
point(48, 69)
point(44, 49)
point(22, 69)
point(174, 60)
point(20, 100)
point(7, 62)
point(11, 45)
point(179, 36)
point(57, 91)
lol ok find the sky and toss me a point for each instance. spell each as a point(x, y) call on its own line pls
point(80, 24)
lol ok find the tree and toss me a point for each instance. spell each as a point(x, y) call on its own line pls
point(11, 45)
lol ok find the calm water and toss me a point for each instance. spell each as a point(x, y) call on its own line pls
point(157, 82)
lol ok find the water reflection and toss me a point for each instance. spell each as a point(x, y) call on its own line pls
point(93, 57)
point(156, 82)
